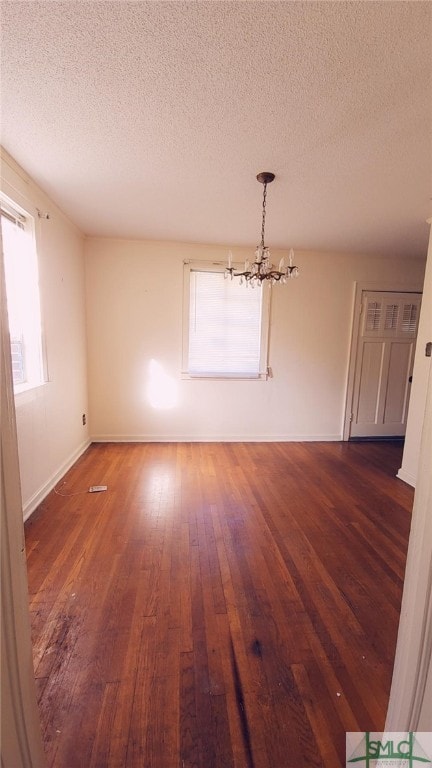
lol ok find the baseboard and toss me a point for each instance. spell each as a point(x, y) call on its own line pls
point(378, 439)
point(216, 438)
point(32, 503)
point(407, 477)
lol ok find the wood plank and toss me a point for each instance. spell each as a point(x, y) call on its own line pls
point(220, 605)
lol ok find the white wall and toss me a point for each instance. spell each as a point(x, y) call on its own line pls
point(134, 312)
point(422, 364)
point(49, 418)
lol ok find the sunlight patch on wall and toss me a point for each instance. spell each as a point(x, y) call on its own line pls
point(162, 389)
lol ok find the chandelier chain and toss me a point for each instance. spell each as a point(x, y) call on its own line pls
point(263, 214)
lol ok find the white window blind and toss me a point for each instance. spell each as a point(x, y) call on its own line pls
point(226, 336)
point(409, 320)
point(391, 319)
point(373, 317)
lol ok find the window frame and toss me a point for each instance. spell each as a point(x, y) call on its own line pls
point(26, 220)
point(219, 266)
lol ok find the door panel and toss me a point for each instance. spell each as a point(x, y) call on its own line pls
point(370, 381)
point(401, 354)
point(385, 355)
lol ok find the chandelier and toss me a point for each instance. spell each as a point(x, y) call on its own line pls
point(262, 268)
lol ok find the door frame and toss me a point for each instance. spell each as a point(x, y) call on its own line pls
point(359, 289)
point(410, 703)
point(21, 739)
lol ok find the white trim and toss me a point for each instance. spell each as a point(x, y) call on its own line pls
point(359, 288)
point(407, 477)
point(408, 705)
point(32, 503)
point(216, 438)
point(21, 742)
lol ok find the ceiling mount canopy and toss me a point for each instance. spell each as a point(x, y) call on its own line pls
point(265, 177)
point(262, 268)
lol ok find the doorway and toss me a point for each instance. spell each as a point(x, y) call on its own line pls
point(382, 358)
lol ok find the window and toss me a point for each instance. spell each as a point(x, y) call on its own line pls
point(409, 321)
point(373, 317)
point(225, 324)
point(22, 291)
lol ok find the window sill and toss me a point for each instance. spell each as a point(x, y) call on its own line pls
point(225, 376)
point(23, 389)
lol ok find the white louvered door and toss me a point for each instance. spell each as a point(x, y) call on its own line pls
point(385, 357)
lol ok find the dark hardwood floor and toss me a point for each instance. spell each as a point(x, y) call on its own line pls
point(219, 605)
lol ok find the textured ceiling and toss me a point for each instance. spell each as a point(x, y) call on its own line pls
point(152, 119)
